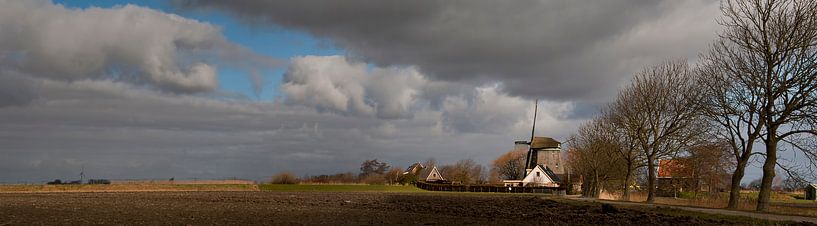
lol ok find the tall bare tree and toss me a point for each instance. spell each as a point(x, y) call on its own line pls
point(732, 106)
point(775, 43)
point(660, 108)
point(624, 146)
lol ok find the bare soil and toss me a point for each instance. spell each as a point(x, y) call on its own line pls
point(316, 208)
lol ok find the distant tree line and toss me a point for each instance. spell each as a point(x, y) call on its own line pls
point(374, 171)
point(91, 181)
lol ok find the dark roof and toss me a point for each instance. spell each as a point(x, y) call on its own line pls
point(414, 168)
point(545, 142)
point(552, 175)
point(423, 174)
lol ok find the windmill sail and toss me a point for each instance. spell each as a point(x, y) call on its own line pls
point(529, 158)
point(82, 174)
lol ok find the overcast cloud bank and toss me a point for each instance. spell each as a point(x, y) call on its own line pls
point(132, 92)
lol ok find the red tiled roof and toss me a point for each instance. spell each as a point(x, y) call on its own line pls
point(670, 168)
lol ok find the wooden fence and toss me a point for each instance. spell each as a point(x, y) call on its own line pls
point(489, 188)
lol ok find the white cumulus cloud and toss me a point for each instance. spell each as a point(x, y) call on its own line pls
point(128, 43)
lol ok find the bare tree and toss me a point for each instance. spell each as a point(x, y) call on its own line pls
point(625, 147)
point(660, 108)
point(479, 174)
point(707, 164)
point(393, 175)
point(510, 165)
point(591, 156)
point(284, 178)
point(732, 106)
point(773, 44)
point(465, 171)
point(793, 183)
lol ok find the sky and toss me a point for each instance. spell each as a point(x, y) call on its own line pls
point(246, 89)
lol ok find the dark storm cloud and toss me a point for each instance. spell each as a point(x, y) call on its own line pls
point(15, 90)
point(560, 50)
point(117, 130)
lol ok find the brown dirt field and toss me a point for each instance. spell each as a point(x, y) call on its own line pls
point(282, 208)
point(125, 188)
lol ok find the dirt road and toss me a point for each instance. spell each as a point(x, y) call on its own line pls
point(766, 216)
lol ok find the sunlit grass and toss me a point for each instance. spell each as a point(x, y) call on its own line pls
point(337, 188)
point(781, 203)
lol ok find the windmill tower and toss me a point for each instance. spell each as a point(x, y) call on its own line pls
point(541, 150)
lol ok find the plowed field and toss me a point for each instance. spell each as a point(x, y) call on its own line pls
point(323, 208)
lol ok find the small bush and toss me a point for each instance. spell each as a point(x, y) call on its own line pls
point(284, 178)
point(99, 181)
point(57, 181)
point(406, 179)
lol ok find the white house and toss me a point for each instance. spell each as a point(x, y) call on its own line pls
point(430, 175)
point(539, 176)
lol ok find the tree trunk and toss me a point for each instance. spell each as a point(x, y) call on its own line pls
point(596, 186)
point(734, 188)
point(768, 171)
point(626, 195)
point(651, 179)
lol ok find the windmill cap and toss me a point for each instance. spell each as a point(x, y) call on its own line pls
point(545, 142)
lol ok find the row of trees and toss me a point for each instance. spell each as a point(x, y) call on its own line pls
point(756, 85)
point(373, 171)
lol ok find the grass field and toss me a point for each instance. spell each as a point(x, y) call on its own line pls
point(781, 203)
point(337, 188)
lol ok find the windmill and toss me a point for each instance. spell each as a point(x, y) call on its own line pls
point(82, 174)
point(529, 158)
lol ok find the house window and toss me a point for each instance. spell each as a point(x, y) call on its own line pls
point(537, 174)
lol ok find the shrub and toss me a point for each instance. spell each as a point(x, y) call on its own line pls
point(99, 181)
point(57, 181)
point(408, 178)
point(284, 178)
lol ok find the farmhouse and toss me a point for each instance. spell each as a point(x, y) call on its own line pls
point(424, 173)
point(683, 174)
point(539, 176)
point(414, 169)
point(430, 175)
point(673, 177)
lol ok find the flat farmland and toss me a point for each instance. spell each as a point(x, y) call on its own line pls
point(325, 208)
